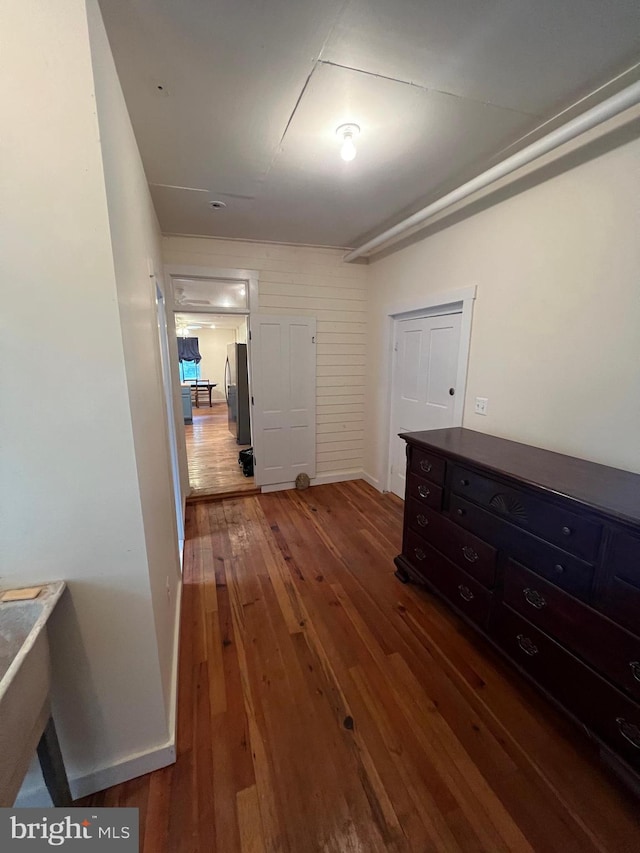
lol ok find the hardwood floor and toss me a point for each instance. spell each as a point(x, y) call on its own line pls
point(323, 706)
point(212, 454)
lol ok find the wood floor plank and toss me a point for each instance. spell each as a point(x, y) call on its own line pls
point(249, 821)
point(438, 834)
point(324, 706)
point(212, 455)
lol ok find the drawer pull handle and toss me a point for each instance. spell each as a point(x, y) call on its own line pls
point(465, 592)
point(420, 553)
point(635, 669)
point(423, 491)
point(426, 466)
point(422, 520)
point(629, 731)
point(460, 511)
point(559, 568)
point(566, 531)
point(534, 598)
point(469, 554)
point(464, 482)
point(527, 645)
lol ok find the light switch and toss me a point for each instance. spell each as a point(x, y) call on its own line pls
point(482, 404)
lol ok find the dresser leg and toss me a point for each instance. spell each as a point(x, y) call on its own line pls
point(402, 576)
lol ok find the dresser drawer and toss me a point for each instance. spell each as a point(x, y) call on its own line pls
point(619, 590)
point(456, 543)
point(557, 566)
point(607, 712)
point(425, 464)
point(570, 532)
point(423, 491)
point(463, 591)
point(614, 652)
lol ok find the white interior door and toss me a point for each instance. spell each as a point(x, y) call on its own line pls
point(426, 354)
point(283, 375)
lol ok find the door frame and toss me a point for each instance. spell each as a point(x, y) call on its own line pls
point(171, 271)
point(167, 383)
point(436, 305)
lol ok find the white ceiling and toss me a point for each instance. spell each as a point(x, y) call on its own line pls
point(252, 93)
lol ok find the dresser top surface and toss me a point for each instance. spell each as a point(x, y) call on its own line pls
point(609, 490)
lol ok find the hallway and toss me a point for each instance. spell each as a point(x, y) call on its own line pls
point(324, 707)
point(212, 454)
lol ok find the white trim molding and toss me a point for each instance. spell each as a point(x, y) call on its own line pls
point(373, 481)
point(321, 480)
point(593, 117)
point(188, 271)
point(105, 777)
point(338, 477)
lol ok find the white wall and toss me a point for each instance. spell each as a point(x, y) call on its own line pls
point(556, 329)
point(135, 239)
point(298, 280)
point(213, 349)
point(74, 497)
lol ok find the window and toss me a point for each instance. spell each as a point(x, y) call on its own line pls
point(189, 371)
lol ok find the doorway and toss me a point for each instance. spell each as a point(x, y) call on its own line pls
point(213, 368)
point(428, 372)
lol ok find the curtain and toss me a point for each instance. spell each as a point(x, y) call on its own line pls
point(188, 350)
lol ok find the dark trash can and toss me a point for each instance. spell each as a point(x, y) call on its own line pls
point(245, 459)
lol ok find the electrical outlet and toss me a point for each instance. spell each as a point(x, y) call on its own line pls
point(482, 404)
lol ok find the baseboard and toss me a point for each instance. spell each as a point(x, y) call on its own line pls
point(277, 487)
point(173, 712)
point(373, 481)
point(104, 777)
point(320, 480)
point(337, 477)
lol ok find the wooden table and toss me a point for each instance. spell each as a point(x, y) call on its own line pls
point(201, 386)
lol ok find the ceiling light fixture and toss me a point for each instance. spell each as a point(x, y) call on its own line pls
point(348, 132)
point(216, 204)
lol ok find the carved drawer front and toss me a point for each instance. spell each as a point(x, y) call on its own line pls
point(463, 591)
point(424, 491)
point(570, 532)
point(557, 566)
point(425, 464)
point(463, 548)
point(614, 652)
point(619, 593)
point(608, 713)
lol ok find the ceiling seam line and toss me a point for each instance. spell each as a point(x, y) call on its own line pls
point(427, 88)
point(336, 21)
point(568, 109)
point(297, 103)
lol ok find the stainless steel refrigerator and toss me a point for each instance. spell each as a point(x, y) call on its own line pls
point(236, 389)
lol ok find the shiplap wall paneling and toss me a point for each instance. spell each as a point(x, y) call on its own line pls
point(297, 280)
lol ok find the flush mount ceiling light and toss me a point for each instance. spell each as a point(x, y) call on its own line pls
point(347, 133)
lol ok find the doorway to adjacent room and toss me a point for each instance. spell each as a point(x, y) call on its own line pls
point(213, 366)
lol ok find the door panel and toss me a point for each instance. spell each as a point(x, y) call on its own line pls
point(283, 363)
point(440, 378)
point(426, 362)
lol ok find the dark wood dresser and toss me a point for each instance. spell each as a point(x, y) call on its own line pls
point(541, 553)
